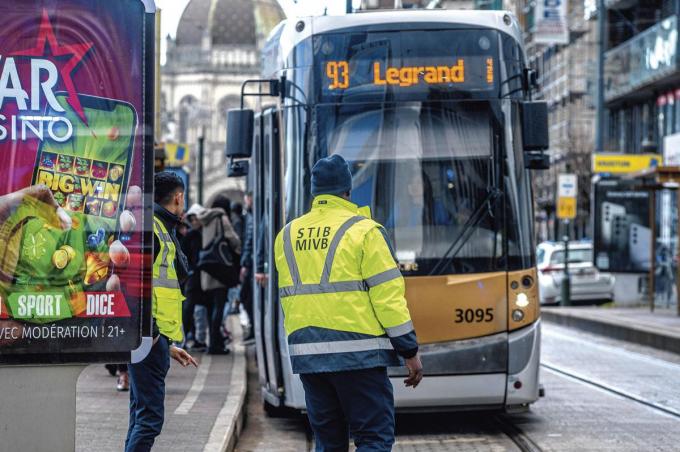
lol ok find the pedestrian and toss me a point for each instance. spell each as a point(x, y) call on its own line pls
point(216, 221)
point(246, 276)
point(194, 311)
point(121, 371)
point(236, 218)
point(345, 314)
point(237, 222)
point(147, 378)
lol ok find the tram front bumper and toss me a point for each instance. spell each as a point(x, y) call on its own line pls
point(493, 372)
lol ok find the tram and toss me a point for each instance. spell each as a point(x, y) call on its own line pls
point(433, 110)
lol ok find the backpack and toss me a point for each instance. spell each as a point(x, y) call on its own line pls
point(219, 260)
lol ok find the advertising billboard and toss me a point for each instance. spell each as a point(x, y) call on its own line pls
point(76, 162)
point(623, 234)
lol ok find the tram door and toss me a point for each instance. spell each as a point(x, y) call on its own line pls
point(268, 223)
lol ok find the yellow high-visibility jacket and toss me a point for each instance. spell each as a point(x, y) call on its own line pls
point(167, 295)
point(341, 291)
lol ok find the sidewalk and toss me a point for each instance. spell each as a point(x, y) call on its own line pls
point(204, 407)
point(660, 329)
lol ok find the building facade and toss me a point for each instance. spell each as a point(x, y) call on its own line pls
point(216, 48)
point(641, 76)
point(566, 74)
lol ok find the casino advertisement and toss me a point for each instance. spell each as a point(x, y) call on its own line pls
point(74, 177)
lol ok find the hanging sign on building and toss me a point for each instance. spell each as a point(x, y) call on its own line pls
point(624, 163)
point(176, 154)
point(671, 150)
point(551, 23)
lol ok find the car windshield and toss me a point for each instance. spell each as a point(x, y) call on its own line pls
point(576, 255)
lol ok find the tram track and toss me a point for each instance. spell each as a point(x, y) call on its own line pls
point(516, 435)
point(574, 376)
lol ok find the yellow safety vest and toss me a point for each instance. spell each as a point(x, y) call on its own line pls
point(167, 295)
point(341, 291)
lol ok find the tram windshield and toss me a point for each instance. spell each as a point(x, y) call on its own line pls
point(428, 173)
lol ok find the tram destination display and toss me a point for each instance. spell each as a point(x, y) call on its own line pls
point(74, 170)
point(406, 64)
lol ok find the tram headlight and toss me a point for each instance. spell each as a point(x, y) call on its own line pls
point(522, 300)
point(517, 315)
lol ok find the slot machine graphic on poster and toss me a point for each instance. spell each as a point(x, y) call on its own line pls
point(76, 162)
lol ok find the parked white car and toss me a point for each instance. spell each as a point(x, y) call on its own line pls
point(587, 282)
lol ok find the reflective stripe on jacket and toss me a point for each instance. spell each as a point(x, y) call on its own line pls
point(167, 296)
point(341, 291)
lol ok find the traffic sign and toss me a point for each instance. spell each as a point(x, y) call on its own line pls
point(566, 208)
point(567, 185)
point(567, 190)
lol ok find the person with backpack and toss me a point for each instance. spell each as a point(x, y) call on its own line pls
point(194, 311)
point(215, 278)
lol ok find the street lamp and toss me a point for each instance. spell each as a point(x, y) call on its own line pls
point(199, 117)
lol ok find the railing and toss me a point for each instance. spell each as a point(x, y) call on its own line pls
point(642, 59)
point(181, 58)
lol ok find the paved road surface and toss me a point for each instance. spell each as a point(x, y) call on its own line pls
point(601, 396)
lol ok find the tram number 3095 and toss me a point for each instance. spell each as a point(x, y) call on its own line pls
point(474, 315)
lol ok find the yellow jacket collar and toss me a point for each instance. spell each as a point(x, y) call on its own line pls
point(336, 202)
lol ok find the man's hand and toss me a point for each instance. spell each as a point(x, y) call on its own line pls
point(415, 371)
point(181, 356)
point(261, 278)
point(243, 274)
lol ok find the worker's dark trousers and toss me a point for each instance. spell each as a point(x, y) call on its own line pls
point(359, 402)
point(147, 397)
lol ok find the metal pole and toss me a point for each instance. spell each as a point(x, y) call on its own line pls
point(201, 153)
point(601, 39)
point(652, 259)
point(348, 8)
point(677, 256)
point(566, 279)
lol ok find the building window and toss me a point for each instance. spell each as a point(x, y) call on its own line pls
point(186, 106)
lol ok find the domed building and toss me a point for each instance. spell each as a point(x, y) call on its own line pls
point(216, 48)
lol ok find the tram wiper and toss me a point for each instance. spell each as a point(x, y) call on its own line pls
point(485, 208)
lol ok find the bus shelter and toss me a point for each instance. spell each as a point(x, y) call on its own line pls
point(654, 179)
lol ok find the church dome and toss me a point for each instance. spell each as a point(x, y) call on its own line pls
point(227, 22)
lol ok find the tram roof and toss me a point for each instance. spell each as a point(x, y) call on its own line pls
point(484, 19)
point(286, 37)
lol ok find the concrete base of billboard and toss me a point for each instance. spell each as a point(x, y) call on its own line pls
point(38, 408)
point(630, 289)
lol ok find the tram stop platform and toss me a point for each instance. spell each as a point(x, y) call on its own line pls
point(659, 329)
point(204, 407)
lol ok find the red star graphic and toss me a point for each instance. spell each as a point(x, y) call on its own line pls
point(76, 51)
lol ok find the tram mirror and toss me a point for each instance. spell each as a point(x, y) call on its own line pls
point(240, 133)
point(238, 168)
point(535, 126)
point(530, 79)
point(536, 161)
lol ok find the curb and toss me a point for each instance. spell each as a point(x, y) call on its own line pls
point(229, 422)
point(636, 334)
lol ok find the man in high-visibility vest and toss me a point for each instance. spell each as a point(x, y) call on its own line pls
point(345, 315)
point(147, 378)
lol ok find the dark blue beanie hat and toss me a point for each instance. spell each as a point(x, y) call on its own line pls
point(331, 176)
